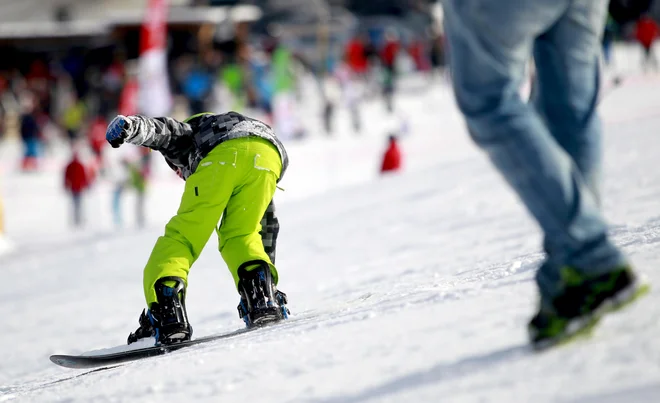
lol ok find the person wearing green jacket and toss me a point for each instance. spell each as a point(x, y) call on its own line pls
point(231, 165)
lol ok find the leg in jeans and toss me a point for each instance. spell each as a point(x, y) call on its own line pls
point(568, 75)
point(490, 43)
point(567, 83)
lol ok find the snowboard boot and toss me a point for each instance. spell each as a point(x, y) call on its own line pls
point(583, 302)
point(261, 302)
point(166, 320)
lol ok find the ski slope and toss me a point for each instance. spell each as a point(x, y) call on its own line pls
point(411, 287)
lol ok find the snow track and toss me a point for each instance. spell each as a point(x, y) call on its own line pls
point(411, 287)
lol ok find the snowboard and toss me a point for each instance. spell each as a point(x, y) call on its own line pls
point(112, 359)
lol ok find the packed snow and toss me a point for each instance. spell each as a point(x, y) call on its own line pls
point(415, 286)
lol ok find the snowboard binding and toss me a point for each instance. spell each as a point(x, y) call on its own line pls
point(167, 319)
point(261, 302)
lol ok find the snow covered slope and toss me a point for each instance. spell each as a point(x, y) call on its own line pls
point(411, 287)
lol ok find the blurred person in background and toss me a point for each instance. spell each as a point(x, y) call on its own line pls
point(609, 35)
point(138, 173)
point(231, 165)
point(285, 112)
point(233, 78)
point(116, 172)
point(74, 117)
point(39, 80)
point(549, 150)
point(437, 53)
point(646, 32)
point(418, 53)
point(331, 96)
point(372, 80)
point(392, 156)
point(113, 80)
point(261, 83)
point(356, 55)
point(127, 104)
point(96, 138)
point(129, 173)
point(30, 132)
point(76, 181)
point(197, 86)
point(349, 94)
point(4, 92)
point(329, 106)
point(388, 59)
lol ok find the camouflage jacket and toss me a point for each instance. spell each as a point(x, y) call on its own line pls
point(184, 145)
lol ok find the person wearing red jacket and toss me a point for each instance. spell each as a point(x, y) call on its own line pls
point(76, 180)
point(96, 137)
point(646, 33)
point(356, 55)
point(392, 157)
point(418, 53)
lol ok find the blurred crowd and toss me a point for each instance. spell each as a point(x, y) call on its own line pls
point(73, 96)
point(70, 96)
point(645, 32)
point(371, 64)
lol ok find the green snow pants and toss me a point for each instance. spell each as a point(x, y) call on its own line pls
point(235, 181)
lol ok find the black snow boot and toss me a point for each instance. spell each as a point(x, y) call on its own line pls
point(166, 320)
point(261, 302)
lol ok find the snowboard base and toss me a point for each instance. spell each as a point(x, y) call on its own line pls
point(102, 360)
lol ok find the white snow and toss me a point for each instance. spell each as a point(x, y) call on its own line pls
point(5, 245)
point(410, 287)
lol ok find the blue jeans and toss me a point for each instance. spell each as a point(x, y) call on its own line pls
point(548, 149)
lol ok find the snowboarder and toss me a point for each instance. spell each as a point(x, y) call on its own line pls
point(231, 164)
point(550, 150)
